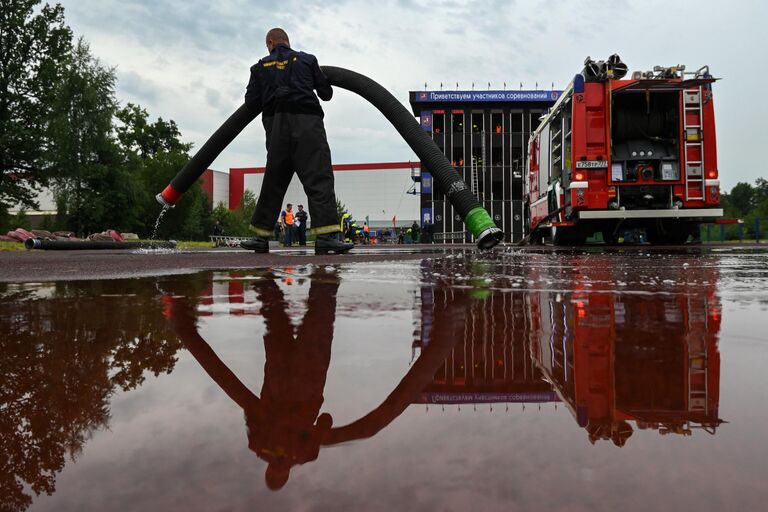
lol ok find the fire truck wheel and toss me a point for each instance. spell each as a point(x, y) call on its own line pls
point(568, 236)
point(609, 236)
point(668, 233)
point(537, 237)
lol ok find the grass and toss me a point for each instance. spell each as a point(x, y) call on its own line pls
point(18, 246)
point(182, 244)
point(11, 246)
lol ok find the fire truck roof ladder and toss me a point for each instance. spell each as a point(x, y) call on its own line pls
point(693, 144)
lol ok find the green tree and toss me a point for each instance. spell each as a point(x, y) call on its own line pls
point(341, 208)
point(155, 153)
point(190, 219)
point(761, 190)
point(227, 218)
point(145, 139)
point(92, 183)
point(741, 198)
point(34, 45)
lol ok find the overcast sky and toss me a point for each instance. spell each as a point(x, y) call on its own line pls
point(188, 60)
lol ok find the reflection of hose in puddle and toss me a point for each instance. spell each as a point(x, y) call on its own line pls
point(419, 376)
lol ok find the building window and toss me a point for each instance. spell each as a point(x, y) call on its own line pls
point(477, 122)
point(497, 125)
point(438, 123)
point(457, 120)
point(458, 157)
point(535, 120)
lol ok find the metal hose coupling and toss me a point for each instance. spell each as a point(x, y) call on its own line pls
point(489, 238)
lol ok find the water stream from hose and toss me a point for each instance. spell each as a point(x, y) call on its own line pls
point(150, 247)
point(157, 223)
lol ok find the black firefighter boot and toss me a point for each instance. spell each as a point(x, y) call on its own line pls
point(257, 244)
point(331, 243)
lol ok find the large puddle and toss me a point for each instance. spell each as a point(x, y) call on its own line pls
point(513, 381)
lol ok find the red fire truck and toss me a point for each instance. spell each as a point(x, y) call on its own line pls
point(616, 155)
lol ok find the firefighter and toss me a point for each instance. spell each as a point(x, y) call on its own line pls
point(414, 231)
point(282, 86)
point(301, 225)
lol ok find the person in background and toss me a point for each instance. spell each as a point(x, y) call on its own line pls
point(217, 230)
point(301, 225)
point(367, 233)
point(427, 232)
point(286, 224)
point(415, 232)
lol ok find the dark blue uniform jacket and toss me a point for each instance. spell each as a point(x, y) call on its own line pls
point(285, 81)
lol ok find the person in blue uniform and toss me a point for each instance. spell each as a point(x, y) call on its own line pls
point(282, 86)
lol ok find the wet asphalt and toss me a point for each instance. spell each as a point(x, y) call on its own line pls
point(36, 266)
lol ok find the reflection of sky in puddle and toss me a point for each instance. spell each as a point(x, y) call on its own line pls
point(502, 381)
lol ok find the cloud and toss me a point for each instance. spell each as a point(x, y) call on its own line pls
point(188, 60)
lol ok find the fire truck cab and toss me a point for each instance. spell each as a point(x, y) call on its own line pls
point(613, 156)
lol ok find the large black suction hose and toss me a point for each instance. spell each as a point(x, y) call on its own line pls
point(207, 154)
point(472, 213)
point(466, 204)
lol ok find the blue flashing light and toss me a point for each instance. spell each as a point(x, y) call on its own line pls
point(578, 83)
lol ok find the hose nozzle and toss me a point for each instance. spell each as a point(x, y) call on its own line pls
point(168, 197)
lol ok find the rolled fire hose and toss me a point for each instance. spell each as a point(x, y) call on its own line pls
point(448, 180)
point(69, 245)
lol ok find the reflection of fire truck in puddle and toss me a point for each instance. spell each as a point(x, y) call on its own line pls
point(614, 359)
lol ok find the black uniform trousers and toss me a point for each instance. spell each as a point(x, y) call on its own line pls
point(296, 143)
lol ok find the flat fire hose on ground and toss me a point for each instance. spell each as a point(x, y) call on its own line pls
point(90, 245)
point(477, 219)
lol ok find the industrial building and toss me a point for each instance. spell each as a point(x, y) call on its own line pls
point(382, 192)
point(484, 134)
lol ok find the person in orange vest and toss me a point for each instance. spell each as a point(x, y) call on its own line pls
point(498, 128)
point(287, 223)
point(367, 233)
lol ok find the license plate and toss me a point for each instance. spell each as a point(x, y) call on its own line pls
point(592, 164)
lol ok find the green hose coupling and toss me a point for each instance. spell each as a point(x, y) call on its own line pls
point(483, 228)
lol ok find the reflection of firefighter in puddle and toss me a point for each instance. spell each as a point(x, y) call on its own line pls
point(287, 429)
point(284, 425)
